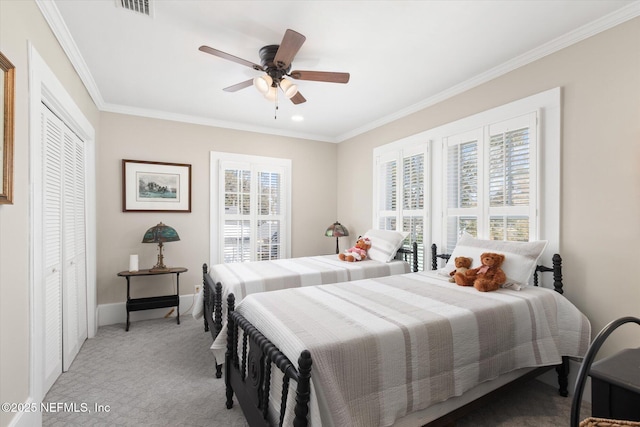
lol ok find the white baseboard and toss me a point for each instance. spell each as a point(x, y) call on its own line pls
point(27, 418)
point(111, 314)
point(551, 378)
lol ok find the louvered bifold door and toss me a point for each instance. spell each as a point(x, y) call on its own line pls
point(73, 235)
point(65, 286)
point(52, 136)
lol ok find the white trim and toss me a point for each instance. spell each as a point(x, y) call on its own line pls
point(45, 87)
point(216, 198)
point(54, 19)
point(606, 22)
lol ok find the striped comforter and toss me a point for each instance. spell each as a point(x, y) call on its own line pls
point(244, 278)
point(385, 347)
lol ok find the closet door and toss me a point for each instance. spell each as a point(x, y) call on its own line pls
point(64, 247)
point(52, 245)
point(74, 288)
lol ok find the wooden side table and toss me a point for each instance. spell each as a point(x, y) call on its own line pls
point(136, 304)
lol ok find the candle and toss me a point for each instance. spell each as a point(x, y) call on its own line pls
point(133, 262)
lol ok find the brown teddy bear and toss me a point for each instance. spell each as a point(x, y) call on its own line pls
point(358, 252)
point(488, 277)
point(462, 265)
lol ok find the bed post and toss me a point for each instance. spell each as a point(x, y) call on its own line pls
point(303, 390)
point(205, 294)
point(217, 321)
point(557, 273)
point(434, 259)
point(229, 356)
point(563, 376)
point(414, 249)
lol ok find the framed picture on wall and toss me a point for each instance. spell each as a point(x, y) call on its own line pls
point(7, 81)
point(155, 186)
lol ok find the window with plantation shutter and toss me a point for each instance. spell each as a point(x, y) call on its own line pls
point(401, 191)
point(249, 208)
point(494, 175)
point(491, 181)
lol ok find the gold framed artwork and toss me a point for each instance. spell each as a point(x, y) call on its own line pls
point(6, 112)
point(155, 186)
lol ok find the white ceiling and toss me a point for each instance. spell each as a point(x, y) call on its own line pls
point(402, 55)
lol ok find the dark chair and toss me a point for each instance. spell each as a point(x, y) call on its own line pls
point(586, 365)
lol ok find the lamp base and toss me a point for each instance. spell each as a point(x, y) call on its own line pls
point(156, 269)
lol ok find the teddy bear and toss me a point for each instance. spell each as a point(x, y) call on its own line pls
point(358, 252)
point(488, 277)
point(462, 265)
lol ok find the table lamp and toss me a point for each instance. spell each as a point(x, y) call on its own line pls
point(159, 234)
point(336, 230)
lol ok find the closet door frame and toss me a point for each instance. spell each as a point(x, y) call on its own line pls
point(46, 88)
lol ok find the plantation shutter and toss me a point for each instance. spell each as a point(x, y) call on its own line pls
point(462, 185)
point(253, 221)
point(491, 182)
point(401, 193)
point(512, 179)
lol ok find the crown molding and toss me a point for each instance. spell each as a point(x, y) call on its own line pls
point(606, 22)
point(184, 118)
point(61, 31)
point(54, 19)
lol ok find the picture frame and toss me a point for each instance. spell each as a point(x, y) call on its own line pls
point(7, 93)
point(155, 186)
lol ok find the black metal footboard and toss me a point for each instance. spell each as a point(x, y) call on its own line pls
point(248, 374)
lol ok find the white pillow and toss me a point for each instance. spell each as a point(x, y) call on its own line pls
point(520, 258)
point(384, 244)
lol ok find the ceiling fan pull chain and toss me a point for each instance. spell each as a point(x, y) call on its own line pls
point(275, 112)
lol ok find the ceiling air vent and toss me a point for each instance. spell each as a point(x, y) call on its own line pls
point(138, 6)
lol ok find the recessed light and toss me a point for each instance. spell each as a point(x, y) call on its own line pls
point(297, 118)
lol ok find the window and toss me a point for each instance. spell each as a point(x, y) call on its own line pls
point(491, 181)
point(495, 175)
point(249, 208)
point(401, 191)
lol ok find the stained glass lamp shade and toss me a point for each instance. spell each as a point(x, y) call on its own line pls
point(336, 230)
point(159, 234)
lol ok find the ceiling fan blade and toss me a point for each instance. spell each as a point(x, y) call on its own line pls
point(229, 57)
point(298, 98)
point(290, 45)
point(320, 76)
point(238, 86)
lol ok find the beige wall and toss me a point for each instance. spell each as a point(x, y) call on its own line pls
point(21, 21)
point(600, 208)
point(120, 233)
point(600, 78)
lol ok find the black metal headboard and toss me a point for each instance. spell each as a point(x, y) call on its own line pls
point(404, 253)
point(556, 268)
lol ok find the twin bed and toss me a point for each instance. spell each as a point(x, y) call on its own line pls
point(398, 349)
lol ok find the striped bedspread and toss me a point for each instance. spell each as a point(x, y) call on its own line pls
point(385, 347)
point(245, 278)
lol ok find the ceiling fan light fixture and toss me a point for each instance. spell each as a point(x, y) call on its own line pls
point(263, 84)
point(272, 93)
point(288, 88)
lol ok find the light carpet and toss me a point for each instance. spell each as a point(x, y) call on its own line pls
point(162, 374)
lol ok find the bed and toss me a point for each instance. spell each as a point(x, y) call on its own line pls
point(363, 353)
point(241, 279)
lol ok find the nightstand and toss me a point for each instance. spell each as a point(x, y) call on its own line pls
point(136, 304)
point(615, 386)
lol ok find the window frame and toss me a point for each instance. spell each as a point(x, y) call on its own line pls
point(217, 194)
point(547, 107)
point(398, 151)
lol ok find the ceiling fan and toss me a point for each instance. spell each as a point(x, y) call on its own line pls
point(276, 63)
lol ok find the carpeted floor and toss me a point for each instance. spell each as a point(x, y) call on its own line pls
point(152, 376)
